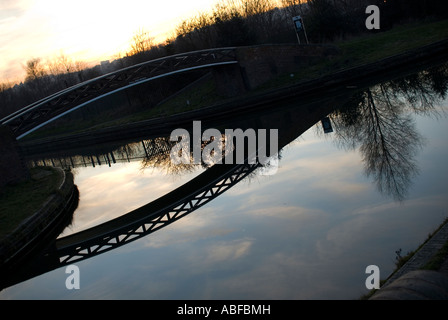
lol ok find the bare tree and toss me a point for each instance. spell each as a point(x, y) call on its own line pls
point(256, 7)
point(294, 7)
point(5, 98)
point(34, 69)
point(61, 64)
point(141, 42)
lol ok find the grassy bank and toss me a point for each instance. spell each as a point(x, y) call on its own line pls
point(399, 39)
point(369, 48)
point(20, 201)
point(435, 262)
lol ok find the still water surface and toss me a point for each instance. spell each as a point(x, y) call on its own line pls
point(307, 232)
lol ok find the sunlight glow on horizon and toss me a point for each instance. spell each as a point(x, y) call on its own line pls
point(84, 30)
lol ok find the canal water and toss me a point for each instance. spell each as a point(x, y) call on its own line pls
point(338, 202)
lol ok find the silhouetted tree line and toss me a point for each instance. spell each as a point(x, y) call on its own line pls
point(43, 79)
point(396, 11)
point(229, 23)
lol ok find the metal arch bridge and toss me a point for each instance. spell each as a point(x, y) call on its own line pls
point(44, 111)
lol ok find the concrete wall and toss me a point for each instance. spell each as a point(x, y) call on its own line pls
point(12, 166)
point(229, 80)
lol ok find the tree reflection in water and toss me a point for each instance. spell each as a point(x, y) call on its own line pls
point(379, 121)
point(158, 155)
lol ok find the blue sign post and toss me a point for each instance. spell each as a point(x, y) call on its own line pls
point(326, 124)
point(300, 28)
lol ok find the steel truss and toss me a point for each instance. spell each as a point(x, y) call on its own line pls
point(144, 226)
point(57, 105)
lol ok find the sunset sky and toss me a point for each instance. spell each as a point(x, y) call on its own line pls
point(87, 30)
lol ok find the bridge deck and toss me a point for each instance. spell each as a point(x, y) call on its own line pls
point(44, 111)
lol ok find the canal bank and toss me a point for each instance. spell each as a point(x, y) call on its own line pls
point(424, 276)
point(37, 228)
point(350, 79)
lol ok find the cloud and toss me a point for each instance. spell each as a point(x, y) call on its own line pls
point(106, 193)
point(86, 30)
point(23, 35)
point(227, 251)
point(12, 7)
point(204, 224)
point(285, 212)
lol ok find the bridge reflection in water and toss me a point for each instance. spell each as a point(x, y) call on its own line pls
point(292, 120)
point(137, 151)
point(214, 181)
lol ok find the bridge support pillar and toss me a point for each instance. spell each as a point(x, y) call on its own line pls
point(12, 165)
point(229, 80)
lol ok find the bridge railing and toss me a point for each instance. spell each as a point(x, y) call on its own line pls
point(44, 111)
